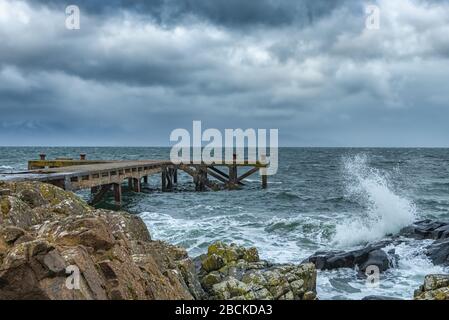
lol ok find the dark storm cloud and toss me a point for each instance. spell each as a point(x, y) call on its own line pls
point(138, 69)
point(234, 13)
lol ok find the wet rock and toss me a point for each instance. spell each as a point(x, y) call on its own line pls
point(438, 252)
point(380, 298)
point(371, 255)
point(435, 287)
point(243, 275)
point(376, 258)
point(426, 229)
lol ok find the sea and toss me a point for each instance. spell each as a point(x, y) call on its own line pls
point(320, 199)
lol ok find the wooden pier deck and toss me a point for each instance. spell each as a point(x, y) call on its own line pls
point(100, 176)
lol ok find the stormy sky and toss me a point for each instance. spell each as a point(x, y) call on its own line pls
point(136, 70)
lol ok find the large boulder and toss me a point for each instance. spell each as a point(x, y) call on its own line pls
point(371, 255)
point(426, 229)
point(438, 252)
point(16, 212)
point(234, 272)
point(47, 235)
point(435, 287)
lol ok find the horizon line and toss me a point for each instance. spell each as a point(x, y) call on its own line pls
point(159, 146)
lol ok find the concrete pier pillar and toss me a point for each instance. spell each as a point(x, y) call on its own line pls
point(264, 181)
point(117, 188)
point(175, 176)
point(164, 179)
point(136, 185)
point(94, 190)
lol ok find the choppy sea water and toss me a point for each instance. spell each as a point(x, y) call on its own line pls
point(321, 199)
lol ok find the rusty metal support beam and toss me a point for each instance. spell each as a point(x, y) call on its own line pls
point(247, 174)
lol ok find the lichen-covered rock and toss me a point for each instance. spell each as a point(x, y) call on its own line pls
point(46, 233)
point(16, 212)
point(231, 272)
point(213, 262)
point(51, 240)
point(435, 287)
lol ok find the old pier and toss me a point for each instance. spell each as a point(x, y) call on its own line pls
point(102, 176)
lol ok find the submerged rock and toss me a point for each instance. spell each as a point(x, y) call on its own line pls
point(371, 255)
point(435, 287)
point(46, 233)
point(234, 272)
point(380, 298)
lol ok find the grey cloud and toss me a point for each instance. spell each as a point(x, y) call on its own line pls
point(231, 13)
point(305, 67)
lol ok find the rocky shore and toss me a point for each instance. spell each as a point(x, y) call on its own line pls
point(435, 287)
point(232, 272)
point(54, 246)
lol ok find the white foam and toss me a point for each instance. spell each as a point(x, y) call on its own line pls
point(399, 282)
point(4, 168)
point(386, 213)
point(195, 234)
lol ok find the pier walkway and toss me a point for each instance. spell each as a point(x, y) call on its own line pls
point(101, 176)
